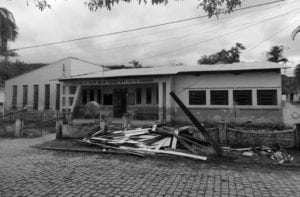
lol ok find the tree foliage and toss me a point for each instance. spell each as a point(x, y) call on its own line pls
point(136, 64)
point(211, 7)
point(276, 54)
point(297, 75)
point(224, 56)
point(12, 69)
point(8, 31)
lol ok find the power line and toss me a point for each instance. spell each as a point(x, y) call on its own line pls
point(222, 35)
point(238, 22)
point(273, 35)
point(140, 28)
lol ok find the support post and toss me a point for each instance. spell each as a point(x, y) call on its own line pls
point(199, 126)
point(222, 133)
point(297, 136)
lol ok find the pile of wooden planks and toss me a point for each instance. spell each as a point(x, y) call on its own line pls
point(156, 140)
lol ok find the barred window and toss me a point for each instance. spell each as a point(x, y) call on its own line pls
point(36, 97)
point(25, 95)
point(14, 97)
point(266, 97)
point(219, 97)
point(197, 97)
point(242, 97)
point(47, 97)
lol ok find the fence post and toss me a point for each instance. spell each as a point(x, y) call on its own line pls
point(297, 136)
point(41, 123)
point(222, 132)
point(18, 128)
point(59, 123)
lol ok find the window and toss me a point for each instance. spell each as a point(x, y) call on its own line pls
point(47, 97)
point(71, 99)
point(72, 89)
point(14, 97)
point(131, 98)
point(57, 102)
point(242, 97)
point(107, 99)
point(64, 89)
point(99, 96)
point(84, 97)
point(25, 95)
point(197, 97)
point(36, 97)
point(92, 95)
point(266, 97)
point(138, 96)
point(148, 95)
point(219, 97)
point(64, 101)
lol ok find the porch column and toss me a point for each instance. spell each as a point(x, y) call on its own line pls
point(165, 102)
point(160, 101)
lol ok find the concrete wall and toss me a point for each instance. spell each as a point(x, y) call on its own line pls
point(291, 113)
point(228, 81)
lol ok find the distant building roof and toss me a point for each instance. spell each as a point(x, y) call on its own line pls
point(173, 70)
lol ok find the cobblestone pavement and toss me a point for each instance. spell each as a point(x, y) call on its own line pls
point(26, 171)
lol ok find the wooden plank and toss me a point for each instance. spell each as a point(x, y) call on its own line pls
point(175, 153)
point(174, 140)
point(161, 143)
point(199, 126)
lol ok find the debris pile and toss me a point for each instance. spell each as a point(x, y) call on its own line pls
point(277, 153)
point(185, 141)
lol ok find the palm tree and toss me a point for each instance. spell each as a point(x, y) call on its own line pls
point(8, 30)
point(276, 54)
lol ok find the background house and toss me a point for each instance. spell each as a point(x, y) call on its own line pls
point(39, 90)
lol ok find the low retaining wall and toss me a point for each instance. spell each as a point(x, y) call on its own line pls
point(237, 137)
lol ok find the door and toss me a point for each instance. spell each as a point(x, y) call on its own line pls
point(120, 102)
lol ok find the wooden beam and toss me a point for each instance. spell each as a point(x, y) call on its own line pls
point(199, 126)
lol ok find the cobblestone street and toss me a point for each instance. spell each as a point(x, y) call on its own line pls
point(26, 171)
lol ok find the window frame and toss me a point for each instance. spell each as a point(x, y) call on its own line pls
point(235, 92)
point(138, 96)
point(221, 104)
point(198, 91)
point(36, 97)
point(275, 92)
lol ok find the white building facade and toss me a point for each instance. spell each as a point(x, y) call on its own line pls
point(241, 92)
point(40, 89)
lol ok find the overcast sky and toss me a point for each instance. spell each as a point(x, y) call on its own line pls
point(257, 29)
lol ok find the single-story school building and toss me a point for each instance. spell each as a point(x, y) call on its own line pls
point(240, 92)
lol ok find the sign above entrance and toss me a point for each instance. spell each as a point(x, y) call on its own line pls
point(112, 81)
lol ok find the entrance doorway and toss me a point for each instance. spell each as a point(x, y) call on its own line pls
point(120, 102)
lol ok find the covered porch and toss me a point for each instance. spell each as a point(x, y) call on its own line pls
point(143, 98)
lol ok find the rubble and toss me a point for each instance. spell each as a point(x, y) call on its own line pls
point(277, 153)
point(155, 140)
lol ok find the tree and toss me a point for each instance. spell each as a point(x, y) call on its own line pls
point(276, 54)
point(212, 7)
point(136, 64)
point(9, 31)
point(297, 75)
point(224, 56)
